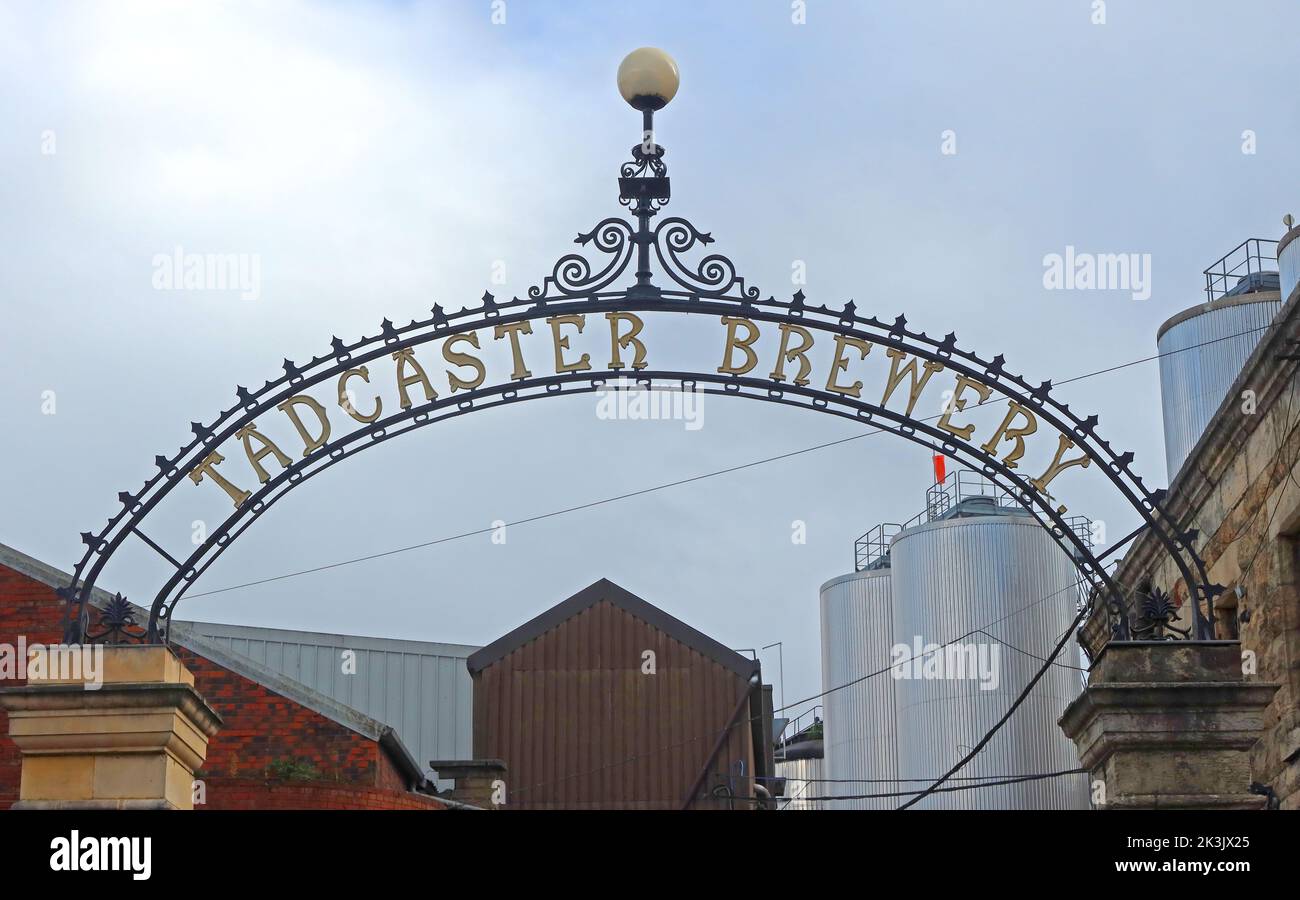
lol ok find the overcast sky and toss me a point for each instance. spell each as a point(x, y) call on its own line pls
point(377, 158)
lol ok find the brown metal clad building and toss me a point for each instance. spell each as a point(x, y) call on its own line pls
point(569, 702)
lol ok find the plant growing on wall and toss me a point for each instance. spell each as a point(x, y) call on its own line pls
point(292, 770)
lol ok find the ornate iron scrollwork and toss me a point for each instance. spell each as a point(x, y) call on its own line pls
point(645, 161)
point(644, 187)
point(714, 276)
point(572, 276)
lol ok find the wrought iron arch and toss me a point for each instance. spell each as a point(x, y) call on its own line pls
point(712, 287)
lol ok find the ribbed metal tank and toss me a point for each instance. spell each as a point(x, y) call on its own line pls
point(1288, 261)
point(1003, 575)
point(803, 780)
point(1202, 351)
point(857, 632)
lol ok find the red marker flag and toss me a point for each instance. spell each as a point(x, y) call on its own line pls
point(940, 468)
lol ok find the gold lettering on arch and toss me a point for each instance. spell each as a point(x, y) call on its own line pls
point(897, 373)
point(290, 409)
point(909, 375)
point(247, 434)
point(841, 364)
point(958, 403)
point(734, 342)
point(1018, 435)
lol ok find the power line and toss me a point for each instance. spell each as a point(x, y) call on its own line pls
point(1147, 359)
point(936, 787)
point(959, 787)
point(1060, 644)
point(1024, 694)
point(925, 780)
point(672, 484)
point(751, 719)
point(1012, 646)
point(891, 666)
point(987, 782)
point(998, 781)
point(1085, 609)
point(538, 518)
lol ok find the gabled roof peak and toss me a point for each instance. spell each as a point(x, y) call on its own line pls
point(606, 590)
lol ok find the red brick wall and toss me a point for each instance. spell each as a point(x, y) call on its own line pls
point(29, 608)
point(248, 793)
point(260, 726)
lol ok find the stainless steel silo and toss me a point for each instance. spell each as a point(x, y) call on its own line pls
point(1202, 351)
point(1288, 262)
point(859, 719)
point(1000, 586)
point(804, 780)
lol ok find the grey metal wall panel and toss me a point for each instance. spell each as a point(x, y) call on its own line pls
point(1201, 356)
point(420, 689)
point(857, 631)
point(1003, 575)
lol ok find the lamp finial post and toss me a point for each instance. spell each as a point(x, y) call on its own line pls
point(648, 80)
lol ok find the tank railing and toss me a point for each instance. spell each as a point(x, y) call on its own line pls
point(872, 548)
point(1082, 528)
point(961, 484)
point(1246, 259)
point(793, 728)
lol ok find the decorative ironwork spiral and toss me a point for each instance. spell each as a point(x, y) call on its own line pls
point(642, 162)
point(714, 276)
point(572, 275)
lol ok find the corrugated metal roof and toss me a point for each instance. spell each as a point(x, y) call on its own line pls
point(421, 689)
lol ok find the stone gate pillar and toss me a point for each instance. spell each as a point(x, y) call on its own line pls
point(130, 737)
point(1169, 724)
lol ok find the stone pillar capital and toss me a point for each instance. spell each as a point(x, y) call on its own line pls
point(130, 738)
point(1170, 724)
